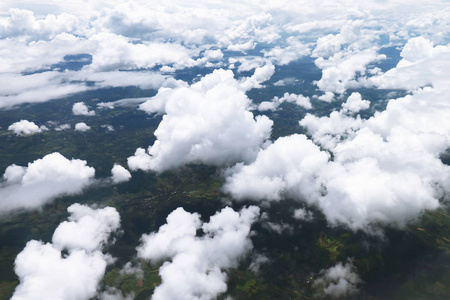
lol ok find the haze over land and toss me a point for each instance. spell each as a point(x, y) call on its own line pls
point(224, 140)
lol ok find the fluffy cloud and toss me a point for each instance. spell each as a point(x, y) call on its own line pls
point(422, 64)
point(87, 228)
point(262, 74)
point(341, 68)
point(25, 127)
point(43, 180)
point(338, 281)
point(80, 109)
point(384, 170)
point(292, 52)
point(354, 103)
point(44, 271)
point(62, 127)
point(82, 127)
point(208, 122)
point(298, 161)
point(120, 174)
point(300, 100)
point(197, 264)
point(117, 52)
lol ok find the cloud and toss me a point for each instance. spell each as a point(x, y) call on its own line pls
point(87, 228)
point(385, 170)
point(422, 64)
point(25, 127)
point(194, 267)
point(120, 174)
point(62, 127)
point(82, 127)
point(294, 51)
point(338, 281)
point(114, 52)
point(298, 161)
point(261, 74)
point(43, 180)
point(273, 105)
point(354, 103)
point(207, 122)
point(80, 109)
point(44, 271)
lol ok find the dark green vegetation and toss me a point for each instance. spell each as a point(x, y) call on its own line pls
point(410, 264)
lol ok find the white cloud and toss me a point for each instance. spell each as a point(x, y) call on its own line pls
point(25, 127)
point(195, 265)
point(273, 105)
point(290, 53)
point(120, 174)
point(298, 161)
point(208, 122)
point(87, 228)
point(354, 103)
point(63, 127)
point(261, 74)
point(80, 109)
point(303, 214)
point(326, 97)
point(384, 170)
point(329, 131)
point(114, 52)
point(422, 64)
point(82, 127)
point(338, 281)
point(341, 68)
point(42, 181)
point(44, 271)
point(242, 47)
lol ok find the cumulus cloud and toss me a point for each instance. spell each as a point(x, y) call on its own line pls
point(195, 266)
point(384, 170)
point(355, 103)
point(338, 281)
point(273, 105)
point(62, 127)
point(298, 161)
point(290, 53)
point(43, 180)
point(262, 74)
point(44, 271)
point(207, 122)
point(25, 127)
point(80, 109)
point(87, 228)
point(422, 64)
point(117, 52)
point(82, 127)
point(120, 174)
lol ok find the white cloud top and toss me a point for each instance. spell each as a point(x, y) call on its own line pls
point(45, 273)
point(208, 122)
point(43, 180)
point(338, 281)
point(25, 127)
point(80, 109)
point(197, 264)
point(82, 127)
point(120, 174)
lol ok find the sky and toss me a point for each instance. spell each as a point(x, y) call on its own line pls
point(360, 172)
